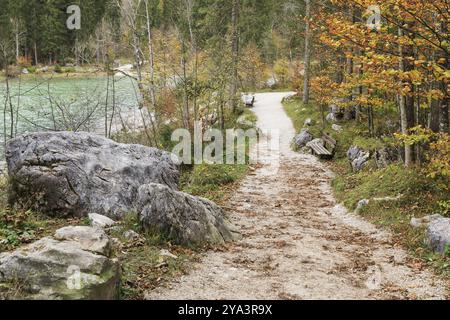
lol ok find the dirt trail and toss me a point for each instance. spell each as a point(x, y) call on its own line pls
point(297, 242)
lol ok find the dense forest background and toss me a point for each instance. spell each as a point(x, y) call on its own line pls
point(192, 58)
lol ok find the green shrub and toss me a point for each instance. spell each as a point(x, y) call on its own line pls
point(32, 69)
point(58, 69)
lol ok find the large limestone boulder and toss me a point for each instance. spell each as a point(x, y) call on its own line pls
point(303, 138)
point(66, 173)
point(183, 218)
point(73, 264)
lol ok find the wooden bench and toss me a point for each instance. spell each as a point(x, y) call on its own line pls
point(249, 101)
point(324, 152)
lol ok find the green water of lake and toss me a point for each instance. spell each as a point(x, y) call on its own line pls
point(76, 104)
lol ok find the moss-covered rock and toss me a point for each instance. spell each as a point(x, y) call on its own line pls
point(74, 264)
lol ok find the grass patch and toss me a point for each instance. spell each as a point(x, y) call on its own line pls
point(419, 197)
point(212, 181)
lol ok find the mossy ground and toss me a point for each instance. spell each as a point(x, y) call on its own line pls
point(419, 195)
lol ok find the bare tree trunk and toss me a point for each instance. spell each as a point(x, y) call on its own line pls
point(97, 49)
point(370, 121)
point(35, 54)
point(186, 120)
point(16, 124)
point(434, 111)
point(444, 104)
point(17, 46)
point(360, 92)
point(152, 62)
point(107, 97)
point(9, 104)
point(189, 7)
point(349, 111)
point(404, 107)
point(235, 54)
point(307, 62)
point(113, 105)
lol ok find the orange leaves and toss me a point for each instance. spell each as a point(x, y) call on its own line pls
point(324, 89)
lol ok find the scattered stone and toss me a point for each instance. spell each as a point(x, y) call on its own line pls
point(100, 221)
point(308, 122)
point(25, 71)
point(131, 235)
point(361, 204)
point(73, 174)
point(385, 157)
point(438, 233)
point(358, 158)
point(337, 128)
point(271, 82)
point(90, 239)
point(62, 268)
point(303, 138)
point(359, 163)
point(242, 120)
point(183, 218)
point(425, 221)
point(331, 117)
point(353, 153)
point(389, 198)
point(167, 253)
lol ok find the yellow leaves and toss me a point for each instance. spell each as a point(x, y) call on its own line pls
point(446, 74)
point(419, 63)
point(434, 94)
point(439, 157)
point(324, 88)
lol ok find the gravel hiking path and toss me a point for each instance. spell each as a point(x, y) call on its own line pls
point(298, 243)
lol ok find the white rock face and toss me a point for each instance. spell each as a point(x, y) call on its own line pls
point(425, 221)
point(438, 233)
point(76, 173)
point(358, 158)
point(89, 239)
point(131, 235)
point(331, 117)
point(308, 122)
point(361, 204)
point(183, 218)
point(74, 264)
point(303, 138)
point(337, 127)
point(100, 221)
